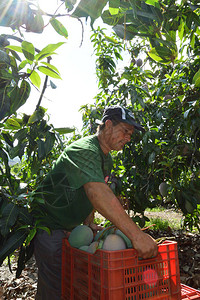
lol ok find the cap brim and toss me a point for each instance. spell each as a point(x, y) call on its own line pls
point(136, 125)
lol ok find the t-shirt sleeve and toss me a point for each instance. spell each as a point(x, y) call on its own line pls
point(83, 166)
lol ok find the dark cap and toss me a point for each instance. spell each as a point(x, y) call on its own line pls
point(122, 114)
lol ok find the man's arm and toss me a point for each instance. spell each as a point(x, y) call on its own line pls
point(107, 204)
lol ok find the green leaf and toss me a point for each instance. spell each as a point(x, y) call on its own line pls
point(196, 78)
point(43, 55)
point(35, 78)
point(50, 66)
point(153, 2)
point(4, 105)
point(31, 235)
point(92, 8)
point(22, 64)
point(44, 147)
point(4, 157)
point(59, 28)
point(17, 150)
point(53, 86)
point(48, 50)
point(181, 29)
point(113, 11)
point(8, 218)
point(36, 24)
point(19, 95)
point(12, 243)
point(20, 135)
point(111, 39)
point(12, 124)
point(49, 72)
point(111, 19)
point(69, 4)
point(64, 130)
point(151, 158)
point(44, 228)
point(24, 90)
point(127, 33)
point(37, 115)
point(25, 216)
point(4, 74)
point(21, 261)
point(15, 48)
point(4, 57)
point(155, 56)
point(114, 3)
point(8, 138)
point(15, 55)
point(197, 82)
point(28, 51)
point(41, 149)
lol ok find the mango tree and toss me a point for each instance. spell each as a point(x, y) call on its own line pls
point(29, 138)
point(160, 83)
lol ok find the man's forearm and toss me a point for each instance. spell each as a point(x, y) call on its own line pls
point(107, 204)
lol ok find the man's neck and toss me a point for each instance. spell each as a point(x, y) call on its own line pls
point(102, 142)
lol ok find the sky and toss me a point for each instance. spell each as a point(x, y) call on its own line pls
point(77, 69)
point(76, 66)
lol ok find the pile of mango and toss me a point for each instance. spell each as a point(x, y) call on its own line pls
point(110, 239)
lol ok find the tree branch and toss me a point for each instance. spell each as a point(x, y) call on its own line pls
point(42, 93)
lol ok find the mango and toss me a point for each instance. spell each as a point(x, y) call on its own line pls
point(114, 242)
point(81, 235)
point(163, 189)
point(84, 248)
point(93, 247)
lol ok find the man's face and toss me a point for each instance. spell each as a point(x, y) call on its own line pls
point(119, 135)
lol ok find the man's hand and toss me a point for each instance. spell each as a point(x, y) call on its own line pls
point(106, 203)
point(145, 245)
point(95, 227)
point(89, 221)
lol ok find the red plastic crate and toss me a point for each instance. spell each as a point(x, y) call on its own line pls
point(120, 275)
point(188, 293)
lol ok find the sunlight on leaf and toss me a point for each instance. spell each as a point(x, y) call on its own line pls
point(59, 27)
point(64, 130)
point(15, 48)
point(35, 79)
point(48, 50)
point(49, 72)
point(28, 51)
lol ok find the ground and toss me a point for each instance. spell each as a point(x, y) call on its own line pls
point(24, 287)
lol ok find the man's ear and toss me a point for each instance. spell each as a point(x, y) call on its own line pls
point(108, 124)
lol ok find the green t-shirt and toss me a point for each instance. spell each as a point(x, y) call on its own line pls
point(65, 202)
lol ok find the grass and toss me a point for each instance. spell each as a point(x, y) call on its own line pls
point(161, 223)
point(164, 225)
point(165, 221)
point(155, 209)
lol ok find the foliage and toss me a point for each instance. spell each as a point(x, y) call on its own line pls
point(37, 145)
point(28, 144)
point(163, 93)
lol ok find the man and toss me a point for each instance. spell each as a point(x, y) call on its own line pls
point(76, 187)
